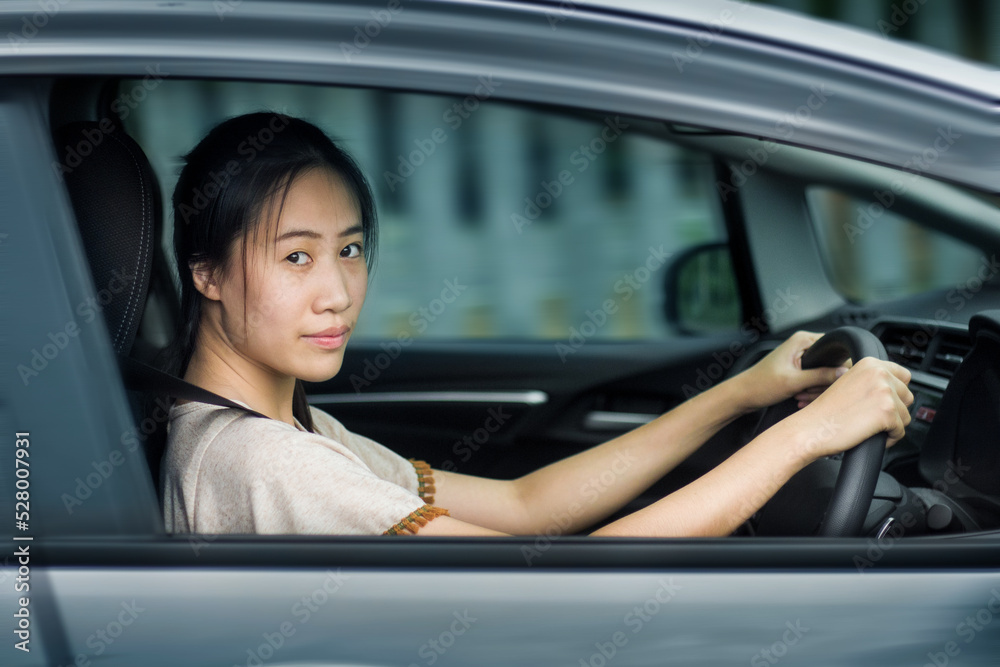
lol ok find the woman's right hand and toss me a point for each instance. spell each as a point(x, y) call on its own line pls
point(870, 398)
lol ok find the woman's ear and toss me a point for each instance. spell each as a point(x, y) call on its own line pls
point(204, 278)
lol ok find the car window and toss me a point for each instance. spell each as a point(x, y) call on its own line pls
point(875, 254)
point(496, 220)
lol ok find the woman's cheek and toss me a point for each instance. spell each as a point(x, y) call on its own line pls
point(361, 287)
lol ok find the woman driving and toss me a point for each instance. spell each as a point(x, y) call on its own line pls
point(275, 237)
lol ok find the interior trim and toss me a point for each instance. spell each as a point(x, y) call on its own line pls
point(793, 554)
point(601, 420)
point(529, 397)
point(920, 377)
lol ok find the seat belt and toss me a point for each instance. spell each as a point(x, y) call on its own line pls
point(143, 377)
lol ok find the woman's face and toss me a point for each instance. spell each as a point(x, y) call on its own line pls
point(306, 288)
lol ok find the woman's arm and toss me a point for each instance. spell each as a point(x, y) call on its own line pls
point(578, 491)
point(870, 399)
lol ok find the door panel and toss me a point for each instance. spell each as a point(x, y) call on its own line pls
point(312, 603)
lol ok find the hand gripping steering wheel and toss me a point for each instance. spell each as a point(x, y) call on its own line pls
point(859, 470)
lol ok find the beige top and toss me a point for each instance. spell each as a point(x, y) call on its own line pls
point(227, 471)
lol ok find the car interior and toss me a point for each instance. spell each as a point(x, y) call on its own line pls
point(942, 480)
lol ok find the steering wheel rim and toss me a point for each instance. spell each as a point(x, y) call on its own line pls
point(861, 465)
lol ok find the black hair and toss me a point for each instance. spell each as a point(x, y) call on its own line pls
point(227, 189)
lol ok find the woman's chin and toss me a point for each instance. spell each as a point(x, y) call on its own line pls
point(328, 372)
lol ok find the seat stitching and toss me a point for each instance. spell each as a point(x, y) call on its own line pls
point(132, 300)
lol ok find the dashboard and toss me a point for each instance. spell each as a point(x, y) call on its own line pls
point(933, 352)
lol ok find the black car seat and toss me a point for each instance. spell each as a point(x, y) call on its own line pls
point(119, 212)
point(960, 457)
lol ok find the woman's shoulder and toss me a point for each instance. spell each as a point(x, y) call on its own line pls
point(237, 444)
point(331, 427)
point(327, 424)
point(190, 412)
point(384, 461)
point(200, 426)
point(204, 432)
point(219, 449)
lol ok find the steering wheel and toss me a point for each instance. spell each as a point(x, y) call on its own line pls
point(859, 470)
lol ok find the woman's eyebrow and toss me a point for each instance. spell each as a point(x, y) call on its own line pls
point(294, 233)
point(308, 233)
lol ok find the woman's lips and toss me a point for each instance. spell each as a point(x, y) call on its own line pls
point(329, 341)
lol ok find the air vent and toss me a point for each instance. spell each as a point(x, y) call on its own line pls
point(951, 349)
point(855, 318)
point(907, 346)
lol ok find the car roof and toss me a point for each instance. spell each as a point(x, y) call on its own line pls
point(812, 34)
point(720, 65)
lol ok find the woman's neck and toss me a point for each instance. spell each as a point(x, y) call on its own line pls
point(219, 368)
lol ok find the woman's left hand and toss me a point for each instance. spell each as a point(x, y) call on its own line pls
point(779, 375)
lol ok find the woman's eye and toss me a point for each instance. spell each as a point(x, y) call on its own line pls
point(295, 256)
point(351, 251)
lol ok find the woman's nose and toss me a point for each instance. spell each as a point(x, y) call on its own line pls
point(334, 289)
